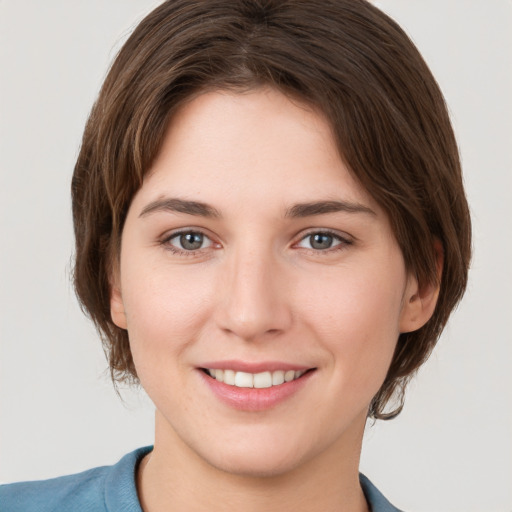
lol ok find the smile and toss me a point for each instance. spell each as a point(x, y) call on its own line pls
point(254, 380)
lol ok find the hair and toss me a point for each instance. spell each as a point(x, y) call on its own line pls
point(344, 57)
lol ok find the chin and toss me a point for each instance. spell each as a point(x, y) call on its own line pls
point(262, 456)
point(256, 465)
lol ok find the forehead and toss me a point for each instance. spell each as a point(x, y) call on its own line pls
point(260, 144)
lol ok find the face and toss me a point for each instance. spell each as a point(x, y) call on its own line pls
point(262, 288)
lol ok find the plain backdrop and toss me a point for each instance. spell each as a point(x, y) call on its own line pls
point(451, 448)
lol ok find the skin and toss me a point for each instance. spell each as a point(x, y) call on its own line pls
point(258, 290)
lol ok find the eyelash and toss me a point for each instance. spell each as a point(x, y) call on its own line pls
point(343, 242)
point(183, 252)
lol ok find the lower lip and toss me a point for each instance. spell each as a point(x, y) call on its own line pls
point(255, 399)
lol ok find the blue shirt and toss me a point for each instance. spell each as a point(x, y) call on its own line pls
point(109, 489)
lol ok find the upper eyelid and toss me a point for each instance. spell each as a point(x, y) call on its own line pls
point(165, 239)
point(333, 232)
point(343, 241)
point(168, 235)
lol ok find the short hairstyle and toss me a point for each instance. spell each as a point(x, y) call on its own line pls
point(345, 58)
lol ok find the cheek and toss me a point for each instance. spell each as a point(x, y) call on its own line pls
point(165, 311)
point(355, 315)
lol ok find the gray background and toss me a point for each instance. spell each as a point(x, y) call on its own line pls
point(450, 450)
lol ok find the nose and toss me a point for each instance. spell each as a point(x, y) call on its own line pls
point(253, 303)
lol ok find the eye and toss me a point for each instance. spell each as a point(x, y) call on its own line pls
point(322, 241)
point(188, 241)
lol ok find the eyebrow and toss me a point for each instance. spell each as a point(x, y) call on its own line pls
point(180, 206)
point(323, 207)
point(298, 210)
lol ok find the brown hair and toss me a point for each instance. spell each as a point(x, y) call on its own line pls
point(345, 57)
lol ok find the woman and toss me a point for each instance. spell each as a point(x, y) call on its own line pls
point(271, 233)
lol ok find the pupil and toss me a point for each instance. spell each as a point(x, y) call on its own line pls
point(191, 241)
point(321, 241)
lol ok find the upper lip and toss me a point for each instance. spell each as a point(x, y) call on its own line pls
point(253, 367)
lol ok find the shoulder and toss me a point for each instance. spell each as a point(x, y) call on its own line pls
point(84, 491)
point(102, 489)
point(376, 500)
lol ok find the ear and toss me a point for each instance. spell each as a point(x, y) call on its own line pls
point(117, 311)
point(420, 301)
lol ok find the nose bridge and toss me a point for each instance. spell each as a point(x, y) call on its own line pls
point(254, 300)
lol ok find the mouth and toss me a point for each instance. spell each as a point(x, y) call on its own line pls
point(255, 386)
point(261, 380)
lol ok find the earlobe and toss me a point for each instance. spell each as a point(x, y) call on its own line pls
point(117, 311)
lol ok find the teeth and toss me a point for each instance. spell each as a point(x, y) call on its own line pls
point(262, 380)
point(254, 380)
point(229, 377)
point(242, 379)
point(277, 378)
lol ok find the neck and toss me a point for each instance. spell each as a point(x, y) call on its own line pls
point(173, 477)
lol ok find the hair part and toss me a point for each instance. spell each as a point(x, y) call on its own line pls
point(345, 58)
